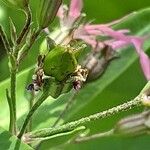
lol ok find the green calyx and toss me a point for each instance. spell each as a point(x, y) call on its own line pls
point(16, 3)
point(60, 63)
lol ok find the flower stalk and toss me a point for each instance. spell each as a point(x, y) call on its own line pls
point(11, 124)
point(31, 112)
point(72, 125)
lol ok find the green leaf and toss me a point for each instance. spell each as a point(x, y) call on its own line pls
point(9, 142)
point(13, 33)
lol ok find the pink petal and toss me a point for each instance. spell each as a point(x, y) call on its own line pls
point(116, 44)
point(89, 40)
point(81, 33)
point(138, 43)
point(145, 64)
point(75, 8)
point(144, 59)
point(105, 30)
point(61, 12)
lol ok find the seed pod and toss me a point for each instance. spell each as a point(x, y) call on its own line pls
point(60, 63)
point(97, 62)
point(47, 11)
point(16, 3)
point(133, 125)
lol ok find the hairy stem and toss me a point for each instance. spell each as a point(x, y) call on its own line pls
point(31, 112)
point(13, 96)
point(11, 124)
point(72, 125)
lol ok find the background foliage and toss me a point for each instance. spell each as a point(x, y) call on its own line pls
point(122, 84)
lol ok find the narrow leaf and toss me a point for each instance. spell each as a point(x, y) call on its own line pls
point(13, 33)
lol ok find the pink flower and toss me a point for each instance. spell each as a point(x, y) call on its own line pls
point(73, 28)
point(68, 17)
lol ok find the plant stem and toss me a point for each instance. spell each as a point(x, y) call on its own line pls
point(13, 82)
point(31, 112)
point(72, 125)
point(13, 97)
point(11, 124)
point(94, 136)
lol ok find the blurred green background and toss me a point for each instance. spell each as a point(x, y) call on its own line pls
point(124, 87)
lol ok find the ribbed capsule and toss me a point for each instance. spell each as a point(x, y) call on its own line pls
point(16, 3)
point(134, 125)
point(47, 11)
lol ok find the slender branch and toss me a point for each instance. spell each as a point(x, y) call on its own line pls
point(5, 40)
point(94, 136)
point(72, 125)
point(31, 112)
point(27, 24)
point(11, 124)
point(13, 96)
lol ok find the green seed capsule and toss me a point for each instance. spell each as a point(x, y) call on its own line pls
point(47, 12)
point(16, 3)
point(60, 63)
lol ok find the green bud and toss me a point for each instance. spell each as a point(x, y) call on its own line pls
point(16, 3)
point(47, 11)
point(60, 63)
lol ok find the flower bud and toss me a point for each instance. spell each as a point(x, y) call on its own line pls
point(133, 125)
point(47, 11)
point(16, 3)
